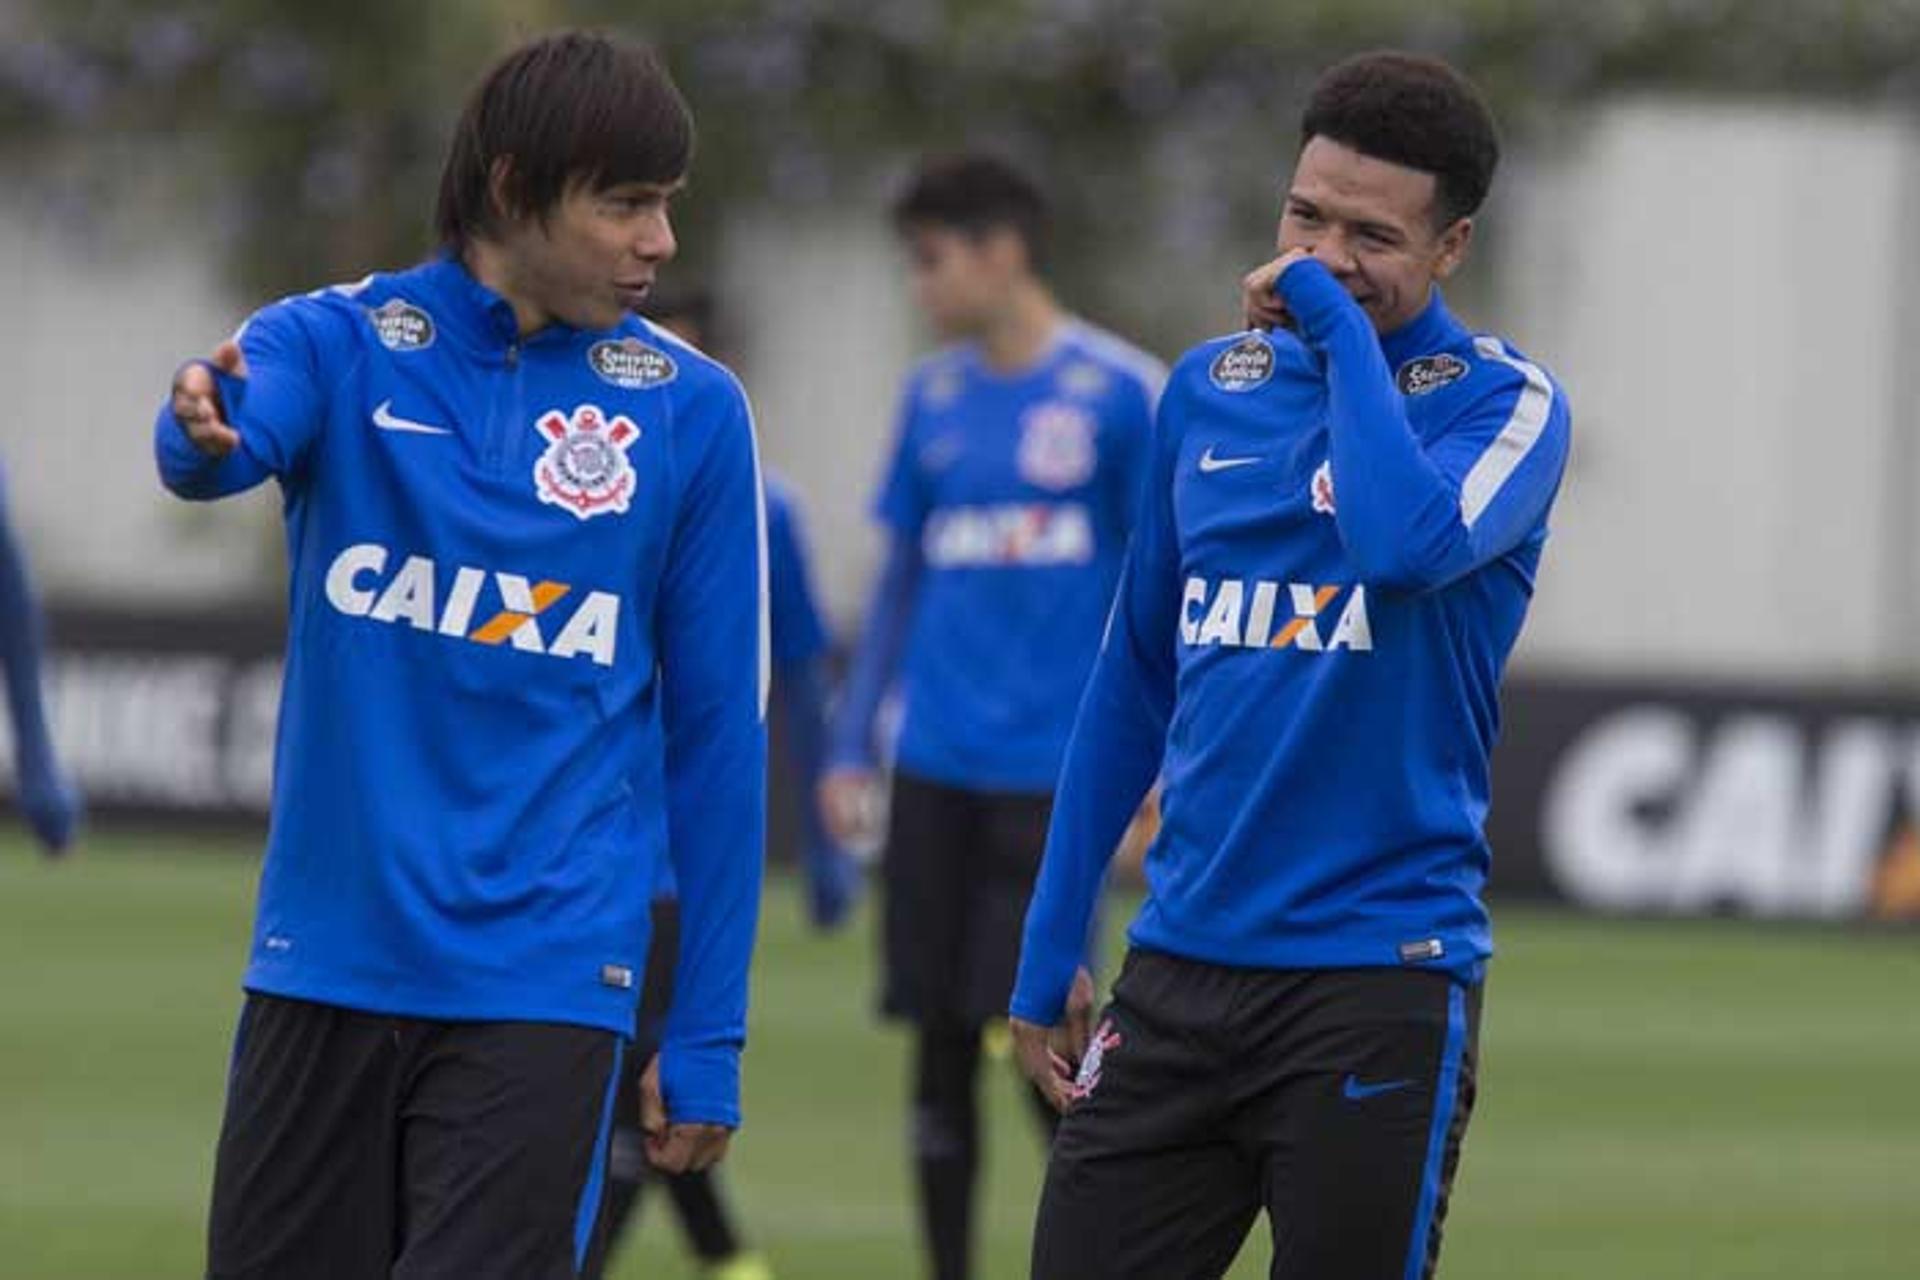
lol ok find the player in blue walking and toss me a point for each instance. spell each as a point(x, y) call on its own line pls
point(48, 802)
point(1007, 506)
point(527, 664)
point(1342, 525)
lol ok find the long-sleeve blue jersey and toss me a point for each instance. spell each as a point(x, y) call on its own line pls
point(47, 800)
point(527, 659)
point(1333, 561)
point(1008, 499)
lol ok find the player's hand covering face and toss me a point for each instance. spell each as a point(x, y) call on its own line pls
point(197, 406)
point(593, 257)
point(1372, 222)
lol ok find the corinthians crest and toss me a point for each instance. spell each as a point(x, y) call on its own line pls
point(585, 468)
point(1057, 448)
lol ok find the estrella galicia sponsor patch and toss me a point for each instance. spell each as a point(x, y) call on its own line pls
point(1243, 366)
point(401, 326)
point(1429, 373)
point(631, 363)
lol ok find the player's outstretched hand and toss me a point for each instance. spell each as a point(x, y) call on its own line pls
point(1050, 1056)
point(676, 1148)
point(1263, 306)
point(196, 401)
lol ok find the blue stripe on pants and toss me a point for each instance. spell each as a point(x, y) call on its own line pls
point(1446, 1097)
point(589, 1210)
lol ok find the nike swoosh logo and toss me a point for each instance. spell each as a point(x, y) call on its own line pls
point(1357, 1092)
point(1210, 464)
point(383, 418)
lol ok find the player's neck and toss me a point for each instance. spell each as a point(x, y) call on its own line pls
point(1023, 331)
point(492, 265)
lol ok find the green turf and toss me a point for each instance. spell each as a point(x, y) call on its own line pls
point(1660, 1101)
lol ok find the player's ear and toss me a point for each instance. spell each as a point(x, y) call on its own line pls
point(1454, 243)
point(505, 200)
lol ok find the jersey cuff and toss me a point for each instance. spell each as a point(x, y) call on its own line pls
point(701, 1085)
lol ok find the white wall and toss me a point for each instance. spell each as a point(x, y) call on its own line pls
point(1723, 290)
point(101, 308)
point(824, 333)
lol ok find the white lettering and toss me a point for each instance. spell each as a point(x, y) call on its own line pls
point(1306, 605)
point(1223, 619)
point(1193, 597)
point(1260, 617)
point(517, 594)
point(409, 597)
point(1354, 630)
point(592, 630)
point(1645, 814)
point(461, 600)
point(342, 594)
point(1020, 535)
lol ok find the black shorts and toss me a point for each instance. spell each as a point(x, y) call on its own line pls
point(958, 871)
point(358, 1145)
point(1334, 1099)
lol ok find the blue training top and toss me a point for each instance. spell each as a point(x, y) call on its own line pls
point(1334, 559)
point(1009, 498)
point(527, 660)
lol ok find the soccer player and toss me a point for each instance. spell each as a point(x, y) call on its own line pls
point(46, 799)
point(1342, 524)
point(1007, 503)
point(527, 661)
point(799, 682)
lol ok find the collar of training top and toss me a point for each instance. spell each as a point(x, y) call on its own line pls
point(481, 317)
point(1434, 329)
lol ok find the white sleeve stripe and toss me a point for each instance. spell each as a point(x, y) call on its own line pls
point(764, 620)
point(1516, 439)
point(1142, 366)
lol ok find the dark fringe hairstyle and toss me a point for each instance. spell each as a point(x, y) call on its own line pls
point(575, 108)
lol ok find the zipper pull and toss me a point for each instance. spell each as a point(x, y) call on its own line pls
point(513, 355)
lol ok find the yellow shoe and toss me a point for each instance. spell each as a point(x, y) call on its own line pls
point(741, 1266)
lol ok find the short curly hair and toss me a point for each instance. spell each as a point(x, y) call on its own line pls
point(1410, 110)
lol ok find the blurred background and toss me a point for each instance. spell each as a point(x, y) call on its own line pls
point(1703, 1053)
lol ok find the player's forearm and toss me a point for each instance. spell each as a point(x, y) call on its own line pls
point(716, 835)
point(21, 631)
point(802, 687)
point(1398, 515)
point(1112, 759)
point(714, 656)
point(1111, 762)
point(876, 657)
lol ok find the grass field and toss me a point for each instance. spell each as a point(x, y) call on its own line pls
point(1660, 1101)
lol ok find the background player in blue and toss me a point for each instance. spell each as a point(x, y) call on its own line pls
point(1335, 555)
point(1007, 503)
point(800, 688)
point(527, 662)
point(48, 802)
